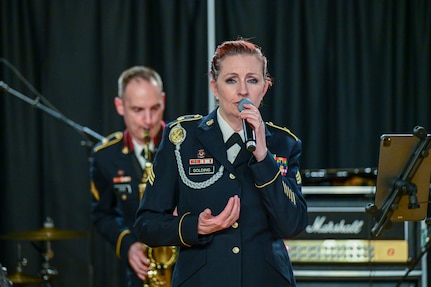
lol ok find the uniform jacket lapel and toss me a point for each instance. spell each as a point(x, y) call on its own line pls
point(211, 137)
point(243, 156)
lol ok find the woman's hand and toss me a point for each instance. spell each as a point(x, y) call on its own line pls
point(252, 115)
point(208, 223)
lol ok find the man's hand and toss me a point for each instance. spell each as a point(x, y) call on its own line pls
point(138, 261)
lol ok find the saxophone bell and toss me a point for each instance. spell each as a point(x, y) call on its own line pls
point(162, 260)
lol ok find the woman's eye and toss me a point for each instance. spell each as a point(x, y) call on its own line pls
point(252, 80)
point(230, 81)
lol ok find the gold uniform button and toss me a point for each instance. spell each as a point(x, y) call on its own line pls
point(235, 250)
point(235, 225)
point(123, 197)
point(232, 176)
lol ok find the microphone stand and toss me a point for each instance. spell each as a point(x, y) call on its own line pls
point(415, 261)
point(84, 131)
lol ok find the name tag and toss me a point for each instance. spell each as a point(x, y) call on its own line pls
point(123, 188)
point(201, 170)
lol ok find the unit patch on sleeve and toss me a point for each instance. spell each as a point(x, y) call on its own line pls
point(282, 164)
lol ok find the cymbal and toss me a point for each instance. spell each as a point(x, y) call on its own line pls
point(21, 278)
point(45, 233)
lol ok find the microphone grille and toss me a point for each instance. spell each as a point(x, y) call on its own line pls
point(242, 102)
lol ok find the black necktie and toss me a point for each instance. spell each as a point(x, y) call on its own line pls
point(234, 138)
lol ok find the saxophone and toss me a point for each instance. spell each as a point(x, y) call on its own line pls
point(148, 155)
point(162, 258)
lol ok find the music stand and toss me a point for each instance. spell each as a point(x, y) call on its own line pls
point(403, 179)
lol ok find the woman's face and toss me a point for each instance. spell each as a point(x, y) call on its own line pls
point(240, 76)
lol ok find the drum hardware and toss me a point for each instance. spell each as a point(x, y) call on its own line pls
point(19, 278)
point(48, 232)
point(48, 272)
point(4, 281)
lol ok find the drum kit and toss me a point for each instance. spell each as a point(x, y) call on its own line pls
point(47, 273)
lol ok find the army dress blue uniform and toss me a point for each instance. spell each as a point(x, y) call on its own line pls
point(191, 172)
point(115, 177)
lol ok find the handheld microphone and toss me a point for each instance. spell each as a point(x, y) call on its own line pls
point(249, 134)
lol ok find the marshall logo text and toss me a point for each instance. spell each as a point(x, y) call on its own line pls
point(321, 226)
point(345, 225)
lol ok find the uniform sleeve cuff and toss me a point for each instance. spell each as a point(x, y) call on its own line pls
point(125, 240)
point(270, 168)
point(187, 231)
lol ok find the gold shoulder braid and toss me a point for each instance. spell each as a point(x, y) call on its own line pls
point(109, 140)
point(283, 129)
point(178, 133)
point(185, 118)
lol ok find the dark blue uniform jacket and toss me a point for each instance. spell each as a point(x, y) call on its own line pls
point(115, 177)
point(191, 172)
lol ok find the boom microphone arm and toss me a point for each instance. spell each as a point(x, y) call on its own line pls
point(84, 131)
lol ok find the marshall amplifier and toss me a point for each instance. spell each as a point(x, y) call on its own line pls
point(337, 247)
point(342, 233)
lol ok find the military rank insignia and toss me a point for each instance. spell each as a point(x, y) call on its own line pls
point(289, 193)
point(298, 177)
point(282, 164)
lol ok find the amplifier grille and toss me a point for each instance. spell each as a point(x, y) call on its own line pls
point(347, 251)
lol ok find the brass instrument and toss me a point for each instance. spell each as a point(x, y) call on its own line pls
point(148, 155)
point(144, 180)
point(147, 152)
point(162, 258)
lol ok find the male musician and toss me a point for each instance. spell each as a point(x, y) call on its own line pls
point(118, 167)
